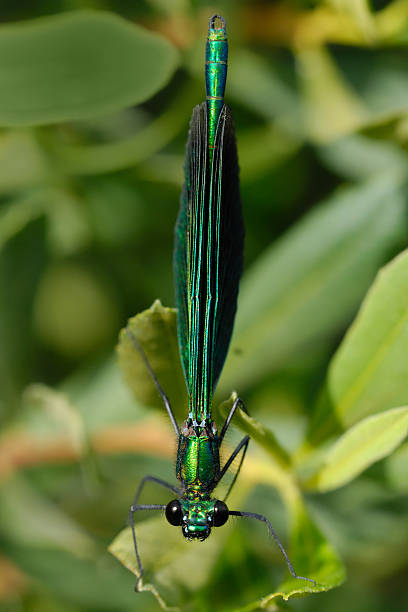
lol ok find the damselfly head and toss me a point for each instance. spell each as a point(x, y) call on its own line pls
point(196, 524)
point(196, 517)
point(196, 532)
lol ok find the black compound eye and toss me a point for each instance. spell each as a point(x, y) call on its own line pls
point(174, 513)
point(221, 513)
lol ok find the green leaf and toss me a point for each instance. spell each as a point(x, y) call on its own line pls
point(78, 65)
point(369, 372)
point(156, 331)
point(368, 441)
point(305, 287)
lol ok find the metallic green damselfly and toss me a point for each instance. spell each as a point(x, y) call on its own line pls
point(208, 258)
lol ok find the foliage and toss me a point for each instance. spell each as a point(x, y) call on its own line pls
point(89, 188)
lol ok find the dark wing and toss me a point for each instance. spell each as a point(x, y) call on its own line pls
point(208, 255)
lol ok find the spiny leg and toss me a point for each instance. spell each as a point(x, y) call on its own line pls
point(134, 508)
point(238, 403)
point(158, 481)
point(260, 517)
point(242, 446)
point(164, 397)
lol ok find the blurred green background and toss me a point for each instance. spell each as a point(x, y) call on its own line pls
point(94, 121)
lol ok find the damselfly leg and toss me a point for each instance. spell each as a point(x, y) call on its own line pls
point(135, 506)
point(159, 481)
point(242, 447)
point(260, 517)
point(132, 510)
point(153, 376)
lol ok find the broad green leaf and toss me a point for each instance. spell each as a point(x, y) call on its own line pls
point(368, 441)
point(155, 330)
point(78, 65)
point(369, 372)
point(306, 286)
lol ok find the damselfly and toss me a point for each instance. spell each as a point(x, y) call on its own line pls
point(208, 257)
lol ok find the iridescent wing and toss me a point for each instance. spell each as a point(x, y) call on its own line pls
point(208, 255)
